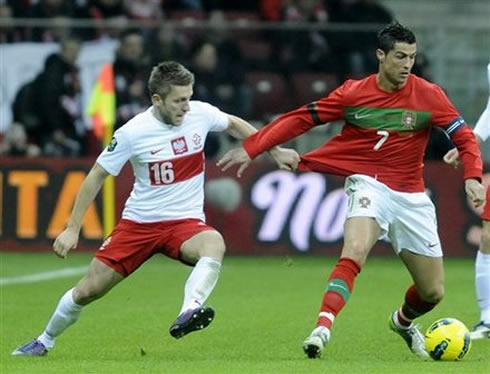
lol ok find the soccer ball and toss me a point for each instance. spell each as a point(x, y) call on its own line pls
point(447, 339)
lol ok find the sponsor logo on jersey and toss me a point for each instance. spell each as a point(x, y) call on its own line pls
point(112, 145)
point(179, 146)
point(361, 116)
point(409, 119)
point(196, 138)
point(155, 151)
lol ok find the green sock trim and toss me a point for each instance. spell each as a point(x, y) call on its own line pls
point(339, 286)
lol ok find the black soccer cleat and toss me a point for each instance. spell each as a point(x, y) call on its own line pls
point(191, 320)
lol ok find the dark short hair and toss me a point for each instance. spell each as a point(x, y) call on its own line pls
point(393, 33)
point(168, 73)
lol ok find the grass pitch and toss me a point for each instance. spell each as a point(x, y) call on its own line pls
point(265, 307)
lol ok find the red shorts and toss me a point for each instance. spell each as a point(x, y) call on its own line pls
point(486, 210)
point(131, 243)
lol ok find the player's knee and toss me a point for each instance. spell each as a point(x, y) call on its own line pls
point(214, 246)
point(84, 294)
point(433, 294)
point(356, 250)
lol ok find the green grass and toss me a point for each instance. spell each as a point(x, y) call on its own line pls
point(265, 308)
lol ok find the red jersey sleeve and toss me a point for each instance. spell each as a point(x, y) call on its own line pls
point(445, 116)
point(294, 123)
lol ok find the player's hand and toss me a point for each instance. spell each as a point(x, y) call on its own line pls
point(65, 242)
point(286, 159)
point(475, 192)
point(236, 156)
point(452, 158)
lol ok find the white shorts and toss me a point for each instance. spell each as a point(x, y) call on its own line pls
point(407, 219)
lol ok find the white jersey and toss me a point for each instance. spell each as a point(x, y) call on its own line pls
point(167, 161)
point(482, 128)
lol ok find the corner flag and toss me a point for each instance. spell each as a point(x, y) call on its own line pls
point(102, 110)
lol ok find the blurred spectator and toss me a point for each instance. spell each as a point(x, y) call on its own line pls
point(111, 11)
point(220, 70)
point(219, 76)
point(59, 13)
point(170, 5)
point(167, 44)
point(304, 50)
point(144, 10)
point(9, 33)
point(270, 10)
point(60, 103)
point(131, 72)
point(15, 143)
point(355, 48)
point(20, 8)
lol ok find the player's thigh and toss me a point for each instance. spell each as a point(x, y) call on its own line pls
point(207, 243)
point(99, 279)
point(360, 235)
point(427, 273)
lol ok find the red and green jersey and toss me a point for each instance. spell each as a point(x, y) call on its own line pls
point(384, 136)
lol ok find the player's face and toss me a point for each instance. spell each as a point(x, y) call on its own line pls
point(175, 105)
point(395, 66)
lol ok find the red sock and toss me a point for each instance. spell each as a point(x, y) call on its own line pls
point(413, 307)
point(339, 288)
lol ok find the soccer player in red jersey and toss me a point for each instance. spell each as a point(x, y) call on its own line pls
point(482, 263)
point(387, 117)
point(164, 213)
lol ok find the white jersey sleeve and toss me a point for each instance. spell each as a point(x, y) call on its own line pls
point(482, 128)
point(217, 120)
point(116, 154)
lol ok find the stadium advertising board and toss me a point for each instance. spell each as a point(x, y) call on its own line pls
point(278, 212)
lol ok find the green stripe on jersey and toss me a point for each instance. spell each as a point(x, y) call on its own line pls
point(339, 286)
point(387, 118)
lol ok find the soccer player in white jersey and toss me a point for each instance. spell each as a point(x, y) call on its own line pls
point(482, 264)
point(164, 213)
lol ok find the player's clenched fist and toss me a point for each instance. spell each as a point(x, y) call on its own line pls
point(475, 191)
point(65, 242)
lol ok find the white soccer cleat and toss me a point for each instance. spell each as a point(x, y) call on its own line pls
point(480, 331)
point(314, 344)
point(412, 336)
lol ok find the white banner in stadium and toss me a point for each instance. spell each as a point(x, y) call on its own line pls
point(21, 62)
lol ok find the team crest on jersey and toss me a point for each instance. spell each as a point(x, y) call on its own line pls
point(409, 119)
point(365, 202)
point(112, 145)
point(179, 146)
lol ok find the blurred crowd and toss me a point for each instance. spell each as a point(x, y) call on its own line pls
point(252, 72)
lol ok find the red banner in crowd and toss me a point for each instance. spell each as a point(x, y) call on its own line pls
point(278, 213)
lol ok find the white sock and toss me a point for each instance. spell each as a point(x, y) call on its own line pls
point(200, 283)
point(482, 282)
point(66, 313)
point(323, 332)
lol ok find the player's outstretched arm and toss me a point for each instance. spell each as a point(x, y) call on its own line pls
point(68, 239)
point(286, 159)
